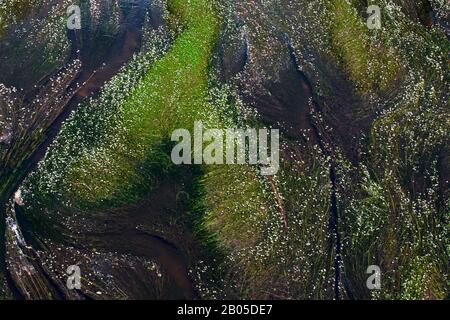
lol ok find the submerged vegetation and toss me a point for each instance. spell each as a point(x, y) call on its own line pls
point(363, 178)
point(129, 129)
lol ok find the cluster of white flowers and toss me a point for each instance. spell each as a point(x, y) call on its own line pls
point(96, 122)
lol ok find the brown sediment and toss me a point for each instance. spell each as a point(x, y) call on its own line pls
point(279, 201)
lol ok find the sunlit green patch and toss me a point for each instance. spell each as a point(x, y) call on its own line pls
point(368, 62)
